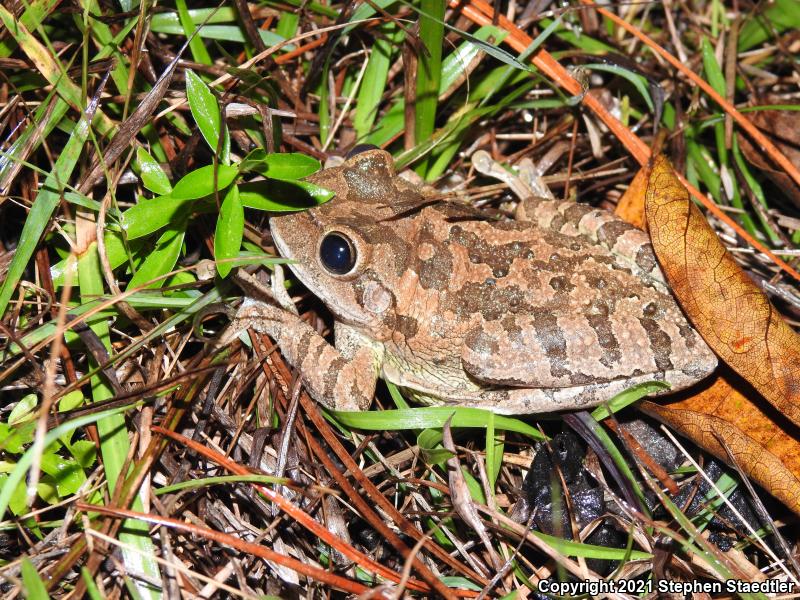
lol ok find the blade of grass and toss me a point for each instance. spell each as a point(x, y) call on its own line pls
point(34, 14)
point(114, 442)
point(45, 203)
point(34, 586)
point(196, 45)
point(50, 68)
point(429, 72)
point(32, 137)
point(374, 80)
point(432, 416)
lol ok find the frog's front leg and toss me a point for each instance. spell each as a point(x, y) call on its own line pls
point(337, 380)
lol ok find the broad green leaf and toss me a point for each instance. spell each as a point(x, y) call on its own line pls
point(33, 586)
point(151, 215)
point(287, 166)
point(276, 195)
point(84, 452)
point(16, 492)
point(46, 490)
point(160, 261)
point(206, 113)
point(148, 216)
point(23, 409)
point(200, 182)
point(66, 474)
point(229, 232)
point(14, 438)
point(153, 176)
point(71, 400)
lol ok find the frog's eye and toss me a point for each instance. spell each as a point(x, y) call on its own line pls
point(359, 148)
point(337, 253)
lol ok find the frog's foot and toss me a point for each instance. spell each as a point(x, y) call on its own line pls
point(256, 315)
point(276, 292)
point(279, 292)
point(527, 182)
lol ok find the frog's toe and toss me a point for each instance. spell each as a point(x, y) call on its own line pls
point(279, 290)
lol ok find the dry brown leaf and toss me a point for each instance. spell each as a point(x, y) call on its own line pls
point(630, 207)
point(783, 127)
point(731, 313)
point(759, 443)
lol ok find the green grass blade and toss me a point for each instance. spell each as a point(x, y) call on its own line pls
point(34, 588)
point(91, 586)
point(373, 84)
point(34, 14)
point(196, 45)
point(629, 396)
point(432, 416)
point(43, 206)
point(50, 68)
point(429, 71)
point(114, 442)
point(636, 80)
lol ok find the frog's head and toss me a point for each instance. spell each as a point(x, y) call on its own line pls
point(351, 251)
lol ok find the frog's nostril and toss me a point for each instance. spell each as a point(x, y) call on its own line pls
point(337, 254)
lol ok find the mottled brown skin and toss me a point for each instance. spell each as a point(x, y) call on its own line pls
point(558, 312)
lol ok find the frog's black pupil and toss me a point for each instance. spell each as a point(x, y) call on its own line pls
point(337, 254)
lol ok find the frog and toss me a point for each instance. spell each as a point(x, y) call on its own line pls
point(561, 308)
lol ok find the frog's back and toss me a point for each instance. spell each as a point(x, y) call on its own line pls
point(533, 308)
